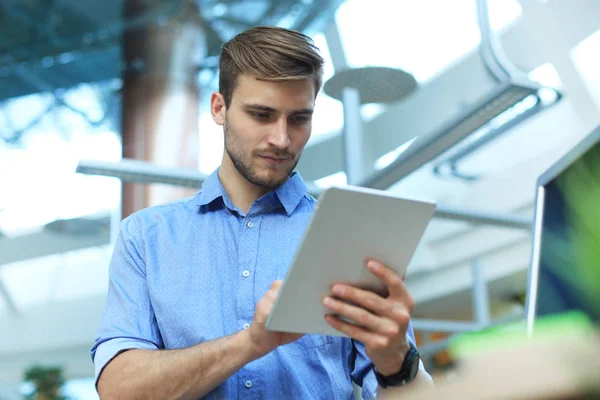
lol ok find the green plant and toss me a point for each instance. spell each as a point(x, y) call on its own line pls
point(47, 382)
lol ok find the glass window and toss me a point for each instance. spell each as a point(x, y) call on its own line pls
point(38, 183)
point(421, 37)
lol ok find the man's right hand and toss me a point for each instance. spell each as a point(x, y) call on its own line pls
point(263, 340)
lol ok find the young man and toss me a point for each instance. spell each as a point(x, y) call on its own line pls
point(192, 282)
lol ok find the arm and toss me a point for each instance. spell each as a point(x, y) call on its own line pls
point(193, 372)
point(129, 353)
point(176, 374)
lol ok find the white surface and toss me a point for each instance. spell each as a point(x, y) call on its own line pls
point(348, 225)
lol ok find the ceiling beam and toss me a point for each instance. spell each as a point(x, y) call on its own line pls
point(437, 102)
point(8, 299)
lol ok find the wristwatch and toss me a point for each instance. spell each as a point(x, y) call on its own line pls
point(408, 370)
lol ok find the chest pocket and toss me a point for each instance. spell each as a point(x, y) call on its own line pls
point(314, 341)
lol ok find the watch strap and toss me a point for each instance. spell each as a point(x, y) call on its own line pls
point(407, 371)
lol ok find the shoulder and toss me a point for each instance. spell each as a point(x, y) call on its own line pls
point(163, 215)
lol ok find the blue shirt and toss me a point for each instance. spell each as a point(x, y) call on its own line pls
point(193, 270)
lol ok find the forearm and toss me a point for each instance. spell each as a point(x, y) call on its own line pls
point(396, 392)
point(175, 374)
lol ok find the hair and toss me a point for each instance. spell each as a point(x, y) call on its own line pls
point(269, 53)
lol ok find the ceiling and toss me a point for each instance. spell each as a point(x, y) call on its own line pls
point(47, 45)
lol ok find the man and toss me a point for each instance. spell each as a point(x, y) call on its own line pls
point(192, 282)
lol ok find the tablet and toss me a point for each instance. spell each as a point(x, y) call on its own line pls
point(348, 225)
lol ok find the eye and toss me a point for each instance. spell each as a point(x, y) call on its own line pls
point(300, 119)
point(261, 116)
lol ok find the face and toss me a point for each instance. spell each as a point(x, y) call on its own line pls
point(266, 127)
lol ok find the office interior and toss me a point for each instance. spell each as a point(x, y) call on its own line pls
point(104, 110)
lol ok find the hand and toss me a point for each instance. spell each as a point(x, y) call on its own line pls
point(380, 323)
point(263, 340)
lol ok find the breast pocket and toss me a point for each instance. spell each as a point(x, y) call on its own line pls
point(314, 341)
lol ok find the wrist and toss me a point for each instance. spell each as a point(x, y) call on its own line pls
point(406, 374)
point(250, 349)
point(253, 349)
point(393, 366)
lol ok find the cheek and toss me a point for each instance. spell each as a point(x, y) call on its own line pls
point(300, 139)
point(242, 137)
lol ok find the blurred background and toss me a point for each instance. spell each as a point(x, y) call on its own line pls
point(464, 102)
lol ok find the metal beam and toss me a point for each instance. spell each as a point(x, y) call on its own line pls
point(435, 347)
point(45, 243)
point(336, 47)
point(442, 98)
point(426, 148)
point(484, 218)
point(481, 297)
point(353, 136)
point(435, 325)
point(144, 172)
point(10, 303)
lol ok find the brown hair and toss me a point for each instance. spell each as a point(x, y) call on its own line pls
point(269, 53)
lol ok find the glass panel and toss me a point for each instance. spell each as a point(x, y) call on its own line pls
point(420, 37)
point(38, 184)
point(30, 282)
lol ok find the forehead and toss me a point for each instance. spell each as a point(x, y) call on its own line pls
point(284, 95)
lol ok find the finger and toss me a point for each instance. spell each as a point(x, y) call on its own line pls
point(364, 336)
point(276, 284)
point(275, 287)
point(271, 294)
point(362, 317)
point(363, 298)
point(390, 307)
point(392, 281)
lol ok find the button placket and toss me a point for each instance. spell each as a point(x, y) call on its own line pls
point(246, 264)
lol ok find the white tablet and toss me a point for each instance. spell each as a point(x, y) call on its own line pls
point(348, 225)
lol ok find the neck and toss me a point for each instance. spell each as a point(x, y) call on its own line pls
point(241, 192)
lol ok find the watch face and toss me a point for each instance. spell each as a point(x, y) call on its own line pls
point(414, 368)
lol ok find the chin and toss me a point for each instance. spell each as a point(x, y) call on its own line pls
point(270, 179)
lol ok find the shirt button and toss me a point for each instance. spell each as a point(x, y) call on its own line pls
point(246, 273)
point(246, 325)
point(250, 224)
point(248, 384)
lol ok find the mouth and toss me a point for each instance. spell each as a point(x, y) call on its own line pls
point(274, 160)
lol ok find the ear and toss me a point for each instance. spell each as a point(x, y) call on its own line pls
point(217, 108)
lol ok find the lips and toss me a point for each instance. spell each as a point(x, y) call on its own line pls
point(275, 158)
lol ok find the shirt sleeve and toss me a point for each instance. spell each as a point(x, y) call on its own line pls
point(128, 321)
point(364, 374)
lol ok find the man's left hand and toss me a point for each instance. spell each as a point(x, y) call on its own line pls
point(380, 322)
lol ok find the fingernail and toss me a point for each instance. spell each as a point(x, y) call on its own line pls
point(374, 266)
point(327, 301)
point(338, 289)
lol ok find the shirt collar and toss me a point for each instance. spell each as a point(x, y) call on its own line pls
point(212, 189)
point(289, 194)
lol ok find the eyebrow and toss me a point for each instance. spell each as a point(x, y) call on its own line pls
point(260, 107)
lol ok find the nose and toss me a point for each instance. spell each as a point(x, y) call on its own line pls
point(279, 136)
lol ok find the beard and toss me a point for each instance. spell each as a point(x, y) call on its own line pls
point(243, 163)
